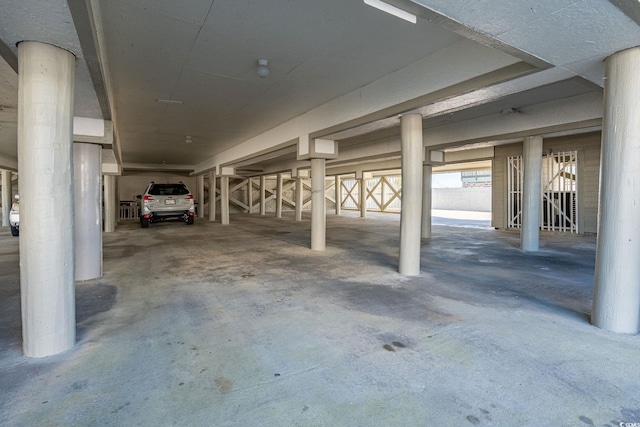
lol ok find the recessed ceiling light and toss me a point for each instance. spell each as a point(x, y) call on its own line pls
point(385, 7)
point(168, 101)
point(188, 140)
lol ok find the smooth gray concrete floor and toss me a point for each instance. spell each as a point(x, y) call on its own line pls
point(243, 325)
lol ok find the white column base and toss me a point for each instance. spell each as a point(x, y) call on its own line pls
point(616, 296)
point(87, 165)
point(212, 196)
point(318, 205)
point(531, 194)
point(224, 200)
point(411, 216)
point(47, 242)
point(427, 171)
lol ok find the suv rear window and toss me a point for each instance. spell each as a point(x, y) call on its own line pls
point(168, 190)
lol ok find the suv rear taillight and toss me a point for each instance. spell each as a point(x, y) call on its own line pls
point(147, 198)
point(190, 197)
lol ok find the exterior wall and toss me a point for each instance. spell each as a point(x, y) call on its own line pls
point(462, 199)
point(588, 147)
point(128, 186)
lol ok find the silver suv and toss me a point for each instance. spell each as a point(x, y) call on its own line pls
point(164, 201)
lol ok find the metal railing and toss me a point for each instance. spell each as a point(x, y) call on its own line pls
point(128, 211)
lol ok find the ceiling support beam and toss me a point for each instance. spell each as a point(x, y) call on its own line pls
point(397, 92)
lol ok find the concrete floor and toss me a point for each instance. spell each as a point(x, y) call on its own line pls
point(242, 325)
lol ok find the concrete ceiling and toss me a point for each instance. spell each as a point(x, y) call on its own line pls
point(458, 63)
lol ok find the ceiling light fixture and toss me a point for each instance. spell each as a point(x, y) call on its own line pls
point(263, 68)
point(188, 140)
point(168, 101)
point(392, 10)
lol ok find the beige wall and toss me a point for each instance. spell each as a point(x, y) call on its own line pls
point(133, 184)
point(462, 199)
point(588, 147)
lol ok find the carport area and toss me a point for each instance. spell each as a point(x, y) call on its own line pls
point(243, 325)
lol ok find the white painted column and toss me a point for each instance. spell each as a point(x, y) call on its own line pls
point(213, 195)
point(263, 192)
point(362, 193)
point(87, 174)
point(318, 205)
point(279, 196)
point(200, 183)
point(6, 197)
point(410, 218)
point(531, 193)
point(299, 198)
point(110, 211)
point(427, 171)
point(250, 194)
point(224, 200)
point(47, 242)
point(338, 195)
point(616, 299)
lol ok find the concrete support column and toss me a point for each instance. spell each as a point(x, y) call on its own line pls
point(263, 197)
point(616, 297)
point(200, 181)
point(213, 195)
point(279, 196)
point(318, 209)
point(362, 195)
point(299, 198)
point(87, 180)
point(427, 171)
point(410, 218)
point(224, 200)
point(338, 195)
point(6, 197)
point(47, 242)
point(110, 211)
point(531, 193)
point(250, 194)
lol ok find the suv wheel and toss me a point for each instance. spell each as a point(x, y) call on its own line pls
point(144, 222)
point(15, 231)
point(190, 220)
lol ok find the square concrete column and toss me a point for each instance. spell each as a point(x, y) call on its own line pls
point(616, 299)
point(200, 184)
point(87, 166)
point(110, 203)
point(299, 198)
point(318, 151)
point(427, 172)
point(45, 162)
point(531, 193)
point(263, 195)
point(318, 205)
point(362, 187)
point(6, 197)
point(411, 205)
point(250, 194)
point(279, 196)
point(224, 200)
point(338, 195)
point(213, 195)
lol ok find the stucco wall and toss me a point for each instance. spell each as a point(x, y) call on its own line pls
point(462, 199)
point(131, 185)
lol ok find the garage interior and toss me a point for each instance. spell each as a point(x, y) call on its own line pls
point(288, 302)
